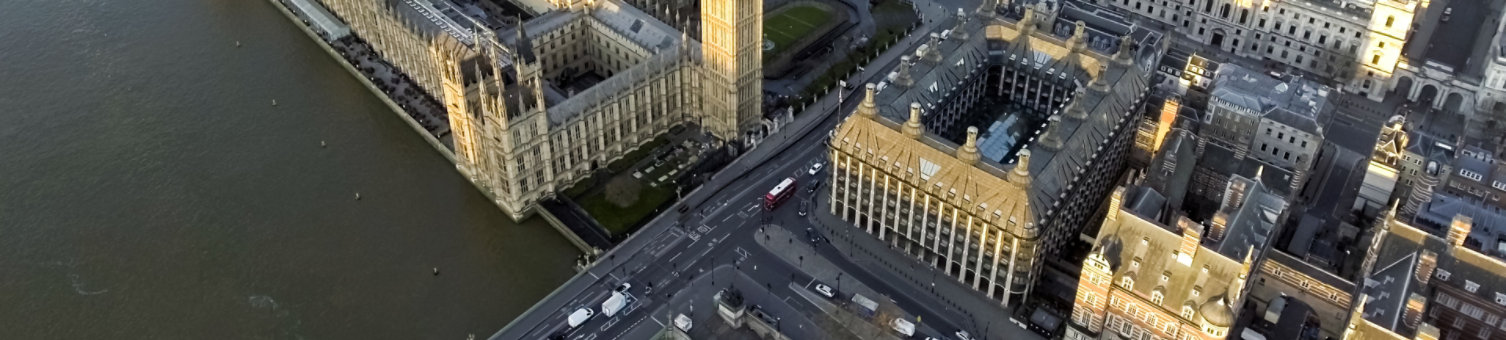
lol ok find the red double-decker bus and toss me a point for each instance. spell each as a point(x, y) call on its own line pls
point(781, 192)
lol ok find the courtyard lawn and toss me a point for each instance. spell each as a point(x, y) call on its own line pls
point(792, 24)
point(894, 19)
point(620, 220)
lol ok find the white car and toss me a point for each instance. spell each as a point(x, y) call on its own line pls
point(682, 322)
point(623, 288)
point(816, 168)
point(964, 336)
point(825, 291)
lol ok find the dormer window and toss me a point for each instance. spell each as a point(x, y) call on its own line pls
point(1443, 274)
point(1471, 175)
point(1187, 312)
point(1156, 297)
point(1471, 286)
point(1127, 282)
point(1501, 299)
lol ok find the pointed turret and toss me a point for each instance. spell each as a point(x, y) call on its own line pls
point(525, 46)
point(968, 152)
point(913, 128)
point(528, 68)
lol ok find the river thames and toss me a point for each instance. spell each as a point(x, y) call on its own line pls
point(149, 189)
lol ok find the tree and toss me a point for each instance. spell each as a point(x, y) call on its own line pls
point(623, 191)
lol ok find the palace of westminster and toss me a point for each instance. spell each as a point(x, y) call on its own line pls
point(537, 108)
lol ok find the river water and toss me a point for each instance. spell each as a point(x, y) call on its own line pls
point(149, 189)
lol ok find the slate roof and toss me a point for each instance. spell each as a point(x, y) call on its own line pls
point(934, 82)
point(1437, 214)
point(930, 163)
point(1045, 54)
point(1250, 221)
point(1395, 276)
point(1296, 102)
point(1146, 251)
point(435, 18)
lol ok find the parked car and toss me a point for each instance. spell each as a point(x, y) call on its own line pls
point(962, 335)
point(623, 288)
point(826, 290)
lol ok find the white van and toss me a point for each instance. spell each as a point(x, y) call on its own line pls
point(580, 316)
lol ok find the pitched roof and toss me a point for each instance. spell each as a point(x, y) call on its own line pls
point(931, 164)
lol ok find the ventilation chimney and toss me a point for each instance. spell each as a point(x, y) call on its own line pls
point(1192, 238)
point(1021, 173)
point(1413, 314)
point(868, 108)
point(1459, 230)
point(933, 54)
point(902, 77)
point(1426, 263)
point(1052, 140)
point(913, 128)
point(968, 152)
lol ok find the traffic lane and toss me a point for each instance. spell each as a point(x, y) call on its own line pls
point(917, 305)
point(938, 322)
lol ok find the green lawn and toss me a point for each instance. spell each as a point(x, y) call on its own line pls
point(893, 18)
point(618, 220)
point(786, 28)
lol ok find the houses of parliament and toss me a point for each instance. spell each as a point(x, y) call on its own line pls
point(536, 105)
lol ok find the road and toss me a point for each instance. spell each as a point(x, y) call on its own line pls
point(712, 245)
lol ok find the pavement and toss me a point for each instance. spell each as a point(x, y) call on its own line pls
point(897, 272)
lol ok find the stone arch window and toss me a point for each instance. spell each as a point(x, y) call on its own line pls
point(1223, 11)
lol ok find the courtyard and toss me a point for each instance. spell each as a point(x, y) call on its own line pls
point(785, 29)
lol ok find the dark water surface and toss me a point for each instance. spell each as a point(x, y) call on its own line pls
point(149, 189)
